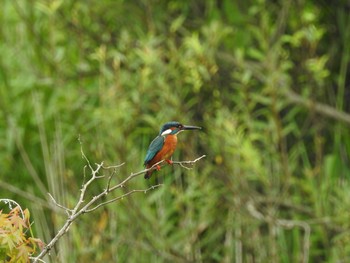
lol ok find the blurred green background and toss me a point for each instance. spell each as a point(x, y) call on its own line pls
point(267, 80)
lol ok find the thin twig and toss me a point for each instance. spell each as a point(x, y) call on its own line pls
point(113, 166)
point(190, 162)
point(182, 163)
point(122, 196)
point(67, 210)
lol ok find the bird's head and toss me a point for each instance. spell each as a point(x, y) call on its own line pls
point(174, 127)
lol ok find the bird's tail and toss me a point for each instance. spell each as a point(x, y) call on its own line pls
point(148, 174)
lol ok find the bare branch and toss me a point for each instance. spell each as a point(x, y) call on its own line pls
point(113, 166)
point(67, 210)
point(190, 162)
point(122, 196)
point(91, 205)
point(83, 154)
point(182, 163)
point(109, 180)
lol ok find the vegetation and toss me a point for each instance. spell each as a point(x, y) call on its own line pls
point(267, 80)
point(16, 241)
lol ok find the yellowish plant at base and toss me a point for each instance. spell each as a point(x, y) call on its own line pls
point(17, 243)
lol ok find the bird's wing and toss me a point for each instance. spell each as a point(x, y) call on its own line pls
point(155, 146)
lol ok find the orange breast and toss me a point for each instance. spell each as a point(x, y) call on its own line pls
point(166, 152)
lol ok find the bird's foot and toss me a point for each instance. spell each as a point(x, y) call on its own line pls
point(169, 161)
point(158, 167)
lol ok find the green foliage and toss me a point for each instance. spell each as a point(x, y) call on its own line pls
point(114, 71)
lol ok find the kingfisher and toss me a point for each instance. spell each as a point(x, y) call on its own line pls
point(164, 145)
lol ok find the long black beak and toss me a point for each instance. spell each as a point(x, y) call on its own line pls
point(188, 127)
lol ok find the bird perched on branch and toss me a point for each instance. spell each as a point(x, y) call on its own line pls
point(164, 145)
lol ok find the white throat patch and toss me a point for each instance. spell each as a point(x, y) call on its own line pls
point(166, 132)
